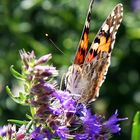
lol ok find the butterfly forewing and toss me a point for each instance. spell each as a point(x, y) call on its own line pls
point(105, 38)
point(97, 60)
point(83, 44)
point(84, 82)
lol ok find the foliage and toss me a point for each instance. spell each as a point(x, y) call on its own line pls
point(24, 25)
point(136, 127)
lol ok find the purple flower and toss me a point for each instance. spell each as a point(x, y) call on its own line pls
point(41, 89)
point(37, 135)
point(20, 135)
point(8, 131)
point(43, 59)
point(112, 124)
point(3, 130)
point(62, 132)
point(27, 58)
point(91, 126)
point(95, 127)
point(45, 71)
point(65, 99)
point(55, 113)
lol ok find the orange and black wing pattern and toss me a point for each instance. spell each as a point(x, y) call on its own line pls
point(97, 61)
point(105, 38)
point(86, 76)
point(83, 44)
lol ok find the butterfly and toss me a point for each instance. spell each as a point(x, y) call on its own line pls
point(88, 71)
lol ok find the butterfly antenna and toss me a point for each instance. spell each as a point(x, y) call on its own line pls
point(54, 44)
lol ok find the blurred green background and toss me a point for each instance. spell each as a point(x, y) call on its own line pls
point(24, 23)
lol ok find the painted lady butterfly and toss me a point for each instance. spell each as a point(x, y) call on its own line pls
point(87, 73)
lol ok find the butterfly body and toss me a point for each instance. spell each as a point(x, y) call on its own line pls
point(87, 73)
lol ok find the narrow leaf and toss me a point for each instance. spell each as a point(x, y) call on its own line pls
point(16, 99)
point(136, 127)
point(18, 122)
point(16, 74)
point(33, 110)
point(29, 117)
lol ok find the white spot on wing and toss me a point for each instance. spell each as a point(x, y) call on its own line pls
point(111, 29)
point(105, 28)
point(121, 13)
point(87, 24)
point(115, 17)
point(112, 14)
point(95, 46)
point(117, 26)
point(114, 22)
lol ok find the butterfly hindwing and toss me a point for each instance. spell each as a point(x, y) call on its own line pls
point(83, 44)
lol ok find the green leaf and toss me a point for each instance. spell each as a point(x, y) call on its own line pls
point(136, 127)
point(22, 96)
point(18, 100)
point(16, 74)
point(18, 122)
point(29, 125)
point(11, 94)
point(33, 110)
point(29, 117)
